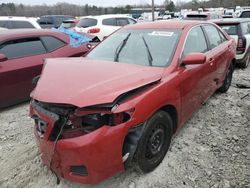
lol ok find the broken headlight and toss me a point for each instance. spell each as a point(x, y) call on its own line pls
point(84, 124)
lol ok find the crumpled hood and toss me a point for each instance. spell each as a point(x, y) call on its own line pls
point(84, 82)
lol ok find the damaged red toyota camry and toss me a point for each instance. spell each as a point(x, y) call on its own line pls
point(119, 106)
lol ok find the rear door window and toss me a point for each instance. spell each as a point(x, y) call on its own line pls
point(52, 43)
point(21, 24)
point(109, 21)
point(22, 47)
point(213, 35)
point(87, 22)
point(195, 42)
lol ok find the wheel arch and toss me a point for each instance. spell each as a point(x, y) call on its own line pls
point(171, 110)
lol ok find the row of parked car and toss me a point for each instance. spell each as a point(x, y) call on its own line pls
point(101, 26)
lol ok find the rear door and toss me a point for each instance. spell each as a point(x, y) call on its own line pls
point(25, 60)
point(196, 80)
point(220, 47)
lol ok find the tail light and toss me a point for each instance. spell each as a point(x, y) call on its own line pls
point(94, 30)
point(241, 46)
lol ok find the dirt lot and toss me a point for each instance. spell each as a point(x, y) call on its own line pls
point(211, 150)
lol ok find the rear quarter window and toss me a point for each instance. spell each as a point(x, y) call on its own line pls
point(52, 43)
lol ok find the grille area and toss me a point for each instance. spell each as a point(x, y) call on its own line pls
point(79, 170)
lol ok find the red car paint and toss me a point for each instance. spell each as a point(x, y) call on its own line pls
point(135, 76)
point(93, 82)
point(16, 74)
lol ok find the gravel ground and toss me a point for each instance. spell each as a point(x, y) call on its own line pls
point(211, 150)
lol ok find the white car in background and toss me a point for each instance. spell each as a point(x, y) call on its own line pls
point(239, 30)
point(10, 22)
point(103, 25)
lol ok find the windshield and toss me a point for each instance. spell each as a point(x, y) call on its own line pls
point(151, 47)
point(68, 24)
point(87, 22)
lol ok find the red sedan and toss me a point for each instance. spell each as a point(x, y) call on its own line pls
point(22, 53)
point(121, 105)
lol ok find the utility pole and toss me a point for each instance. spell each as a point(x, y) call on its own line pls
point(153, 10)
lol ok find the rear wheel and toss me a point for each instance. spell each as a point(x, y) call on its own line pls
point(154, 142)
point(246, 63)
point(228, 79)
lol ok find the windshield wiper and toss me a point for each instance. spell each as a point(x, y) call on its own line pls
point(150, 58)
point(120, 47)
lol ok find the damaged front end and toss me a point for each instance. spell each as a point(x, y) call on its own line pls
point(81, 144)
point(88, 144)
point(76, 122)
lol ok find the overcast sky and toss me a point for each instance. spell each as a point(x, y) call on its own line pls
point(82, 2)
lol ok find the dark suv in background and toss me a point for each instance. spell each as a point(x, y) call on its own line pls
point(49, 21)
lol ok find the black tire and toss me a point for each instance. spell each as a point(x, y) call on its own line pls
point(154, 142)
point(246, 63)
point(228, 79)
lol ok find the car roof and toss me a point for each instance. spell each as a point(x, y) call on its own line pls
point(107, 16)
point(166, 24)
point(56, 16)
point(15, 33)
point(245, 10)
point(17, 18)
point(230, 20)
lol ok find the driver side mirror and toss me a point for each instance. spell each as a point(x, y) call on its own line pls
point(194, 59)
point(3, 58)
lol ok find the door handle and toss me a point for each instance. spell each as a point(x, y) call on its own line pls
point(211, 61)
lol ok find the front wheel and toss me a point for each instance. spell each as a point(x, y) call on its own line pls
point(228, 79)
point(154, 142)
